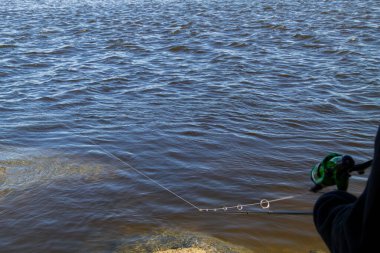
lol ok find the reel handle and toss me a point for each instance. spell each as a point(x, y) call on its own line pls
point(361, 167)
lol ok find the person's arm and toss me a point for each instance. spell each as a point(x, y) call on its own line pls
point(347, 224)
point(368, 204)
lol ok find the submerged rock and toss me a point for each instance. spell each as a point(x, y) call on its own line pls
point(186, 250)
point(179, 242)
point(18, 171)
point(3, 177)
point(2, 174)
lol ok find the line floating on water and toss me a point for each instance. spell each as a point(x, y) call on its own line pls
point(109, 154)
point(264, 203)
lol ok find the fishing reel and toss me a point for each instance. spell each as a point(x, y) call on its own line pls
point(335, 169)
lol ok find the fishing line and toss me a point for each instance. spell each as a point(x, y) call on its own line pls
point(109, 154)
point(264, 203)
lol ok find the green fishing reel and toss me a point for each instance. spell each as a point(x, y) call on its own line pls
point(335, 169)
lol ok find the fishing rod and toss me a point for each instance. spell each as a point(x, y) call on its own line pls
point(278, 212)
point(334, 169)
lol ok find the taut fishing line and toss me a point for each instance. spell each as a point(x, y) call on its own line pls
point(264, 204)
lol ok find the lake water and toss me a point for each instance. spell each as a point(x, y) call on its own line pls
point(121, 119)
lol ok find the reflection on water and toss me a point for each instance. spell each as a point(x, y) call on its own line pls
point(212, 103)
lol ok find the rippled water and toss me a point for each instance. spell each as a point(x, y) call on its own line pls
point(221, 102)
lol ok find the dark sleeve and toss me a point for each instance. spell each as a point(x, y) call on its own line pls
point(368, 204)
point(331, 211)
point(348, 224)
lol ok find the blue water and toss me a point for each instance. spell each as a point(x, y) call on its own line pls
point(221, 102)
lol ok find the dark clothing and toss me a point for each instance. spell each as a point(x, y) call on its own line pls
point(348, 224)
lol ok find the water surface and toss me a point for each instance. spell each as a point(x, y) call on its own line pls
point(220, 102)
